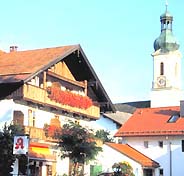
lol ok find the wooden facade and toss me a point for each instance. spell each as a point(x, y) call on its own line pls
point(36, 91)
point(50, 82)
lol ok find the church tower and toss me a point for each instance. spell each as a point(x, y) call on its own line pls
point(166, 85)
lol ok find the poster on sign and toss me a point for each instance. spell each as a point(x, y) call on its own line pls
point(21, 144)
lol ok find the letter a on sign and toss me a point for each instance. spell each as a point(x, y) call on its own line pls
point(20, 145)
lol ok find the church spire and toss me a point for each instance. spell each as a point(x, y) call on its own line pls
point(166, 41)
point(166, 19)
point(166, 4)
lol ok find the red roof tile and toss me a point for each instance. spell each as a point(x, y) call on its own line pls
point(19, 65)
point(134, 154)
point(153, 121)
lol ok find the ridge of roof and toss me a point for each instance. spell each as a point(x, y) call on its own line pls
point(32, 61)
point(133, 154)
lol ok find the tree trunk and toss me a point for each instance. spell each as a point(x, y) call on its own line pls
point(75, 169)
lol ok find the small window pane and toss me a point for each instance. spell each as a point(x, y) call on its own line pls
point(146, 144)
point(160, 143)
point(182, 145)
point(161, 172)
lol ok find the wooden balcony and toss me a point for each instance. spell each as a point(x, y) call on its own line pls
point(37, 134)
point(39, 95)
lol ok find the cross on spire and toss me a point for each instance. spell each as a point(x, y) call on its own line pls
point(166, 4)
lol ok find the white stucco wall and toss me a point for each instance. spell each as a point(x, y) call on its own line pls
point(172, 68)
point(62, 166)
point(104, 123)
point(170, 157)
point(109, 156)
point(164, 98)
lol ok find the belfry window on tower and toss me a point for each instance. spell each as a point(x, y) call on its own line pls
point(161, 68)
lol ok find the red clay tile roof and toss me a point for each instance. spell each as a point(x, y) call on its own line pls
point(153, 122)
point(19, 65)
point(134, 154)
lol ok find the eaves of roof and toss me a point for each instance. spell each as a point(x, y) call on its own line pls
point(134, 154)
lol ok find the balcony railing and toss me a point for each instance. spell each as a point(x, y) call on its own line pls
point(37, 134)
point(40, 95)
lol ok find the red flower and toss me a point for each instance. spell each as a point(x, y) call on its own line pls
point(68, 98)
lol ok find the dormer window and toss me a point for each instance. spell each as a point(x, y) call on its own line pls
point(174, 118)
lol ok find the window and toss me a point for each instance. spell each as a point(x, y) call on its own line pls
point(161, 68)
point(148, 172)
point(182, 145)
point(160, 144)
point(18, 117)
point(31, 118)
point(161, 172)
point(146, 144)
point(174, 118)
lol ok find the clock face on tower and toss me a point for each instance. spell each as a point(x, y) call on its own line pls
point(161, 81)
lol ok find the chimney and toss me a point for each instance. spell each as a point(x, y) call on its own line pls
point(13, 48)
point(182, 108)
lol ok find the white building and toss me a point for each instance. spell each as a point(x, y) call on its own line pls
point(42, 90)
point(158, 132)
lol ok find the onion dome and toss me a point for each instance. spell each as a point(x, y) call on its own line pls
point(166, 41)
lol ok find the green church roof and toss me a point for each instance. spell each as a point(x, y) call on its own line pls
point(166, 41)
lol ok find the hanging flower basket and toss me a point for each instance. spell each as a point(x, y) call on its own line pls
point(68, 98)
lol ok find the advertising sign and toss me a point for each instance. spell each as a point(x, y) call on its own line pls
point(21, 145)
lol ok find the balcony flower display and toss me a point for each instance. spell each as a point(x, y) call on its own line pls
point(53, 129)
point(69, 98)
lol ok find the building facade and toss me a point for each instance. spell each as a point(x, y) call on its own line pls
point(43, 89)
point(157, 131)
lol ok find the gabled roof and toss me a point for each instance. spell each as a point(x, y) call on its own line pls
point(118, 117)
point(22, 66)
point(153, 122)
point(134, 154)
point(125, 110)
point(130, 107)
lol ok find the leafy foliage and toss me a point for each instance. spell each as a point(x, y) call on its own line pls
point(6, 148)
point(123, 168)
point(104, 135)
point(78, 143)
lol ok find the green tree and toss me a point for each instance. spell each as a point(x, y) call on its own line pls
point(123, 169)
point(104, 135)
point(6, 148)
point(78, 144)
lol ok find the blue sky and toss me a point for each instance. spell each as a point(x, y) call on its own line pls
point(116, 35)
